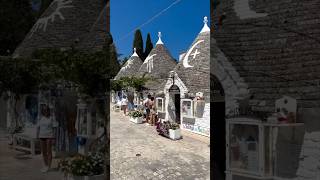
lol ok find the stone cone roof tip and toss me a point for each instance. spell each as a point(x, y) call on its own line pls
point(159, 40)
point(194, 64)
point(134, 53)
point(157, 65)
point(131, 67)
point(205, 26)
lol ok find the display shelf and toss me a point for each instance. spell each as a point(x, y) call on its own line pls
point(251, 147)
point(86, 125)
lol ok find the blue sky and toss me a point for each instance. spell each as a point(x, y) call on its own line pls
point(179, 25)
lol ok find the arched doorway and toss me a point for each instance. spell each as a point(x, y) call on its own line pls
point(218, 136)
point(174, 104)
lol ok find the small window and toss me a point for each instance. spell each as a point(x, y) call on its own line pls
point(160, 104)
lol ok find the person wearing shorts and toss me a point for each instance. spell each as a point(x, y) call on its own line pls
point(46, 136)
point(124, 105)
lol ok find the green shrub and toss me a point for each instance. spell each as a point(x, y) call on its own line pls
point(135, 114)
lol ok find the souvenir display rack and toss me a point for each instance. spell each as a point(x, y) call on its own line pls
point(251, 148)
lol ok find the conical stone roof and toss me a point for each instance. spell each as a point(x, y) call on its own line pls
point(194, 66)
point(157, 65)
point(95, 40)
point(65, 23)
point(131, 67)
point(272, 62)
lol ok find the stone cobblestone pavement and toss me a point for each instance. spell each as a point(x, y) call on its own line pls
point(158, 157)
point(15, 165)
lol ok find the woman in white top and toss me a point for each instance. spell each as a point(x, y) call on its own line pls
point(46, 135)
point(124, 104)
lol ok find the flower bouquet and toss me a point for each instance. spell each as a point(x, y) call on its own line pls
point(169, 129)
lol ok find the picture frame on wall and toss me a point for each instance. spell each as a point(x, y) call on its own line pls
point(187, 108)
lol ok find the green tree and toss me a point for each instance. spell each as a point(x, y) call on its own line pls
point(149, 46)
point(127, 83)
point(17, 78)
point(90, 71)
point(138, 43)
point(113, 59)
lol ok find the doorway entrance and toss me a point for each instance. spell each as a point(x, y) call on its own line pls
point(177, 107)
point(174, 103)
point(218, 121)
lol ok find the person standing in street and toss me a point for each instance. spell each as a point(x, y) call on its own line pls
point(45, 128)
point(130, 101)
point(152, 111)
point(146, 105)
point(124, 104)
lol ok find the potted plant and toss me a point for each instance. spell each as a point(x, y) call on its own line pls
point(136, 116)
point(169, 129)
point(83, 167)
point(174, 131)
point(163, 128)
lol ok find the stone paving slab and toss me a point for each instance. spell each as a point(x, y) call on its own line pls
point(161, 158)
point(15, 165)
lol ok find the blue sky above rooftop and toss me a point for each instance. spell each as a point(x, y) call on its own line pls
point(179, 25)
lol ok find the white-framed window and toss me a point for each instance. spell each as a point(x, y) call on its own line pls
point(160, 104)
point(187, 109)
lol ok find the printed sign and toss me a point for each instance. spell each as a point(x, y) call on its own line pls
point(202, 125)
point(199, 125)
point(189, 120)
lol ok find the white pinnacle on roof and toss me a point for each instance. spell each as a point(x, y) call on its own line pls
point(159, 40)
point(205, 26)
point(135, 52)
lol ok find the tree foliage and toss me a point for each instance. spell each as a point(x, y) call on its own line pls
point(20, 76)
point(136, 83)
point(149, 46)
point(138, 43)
point(91, 72)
